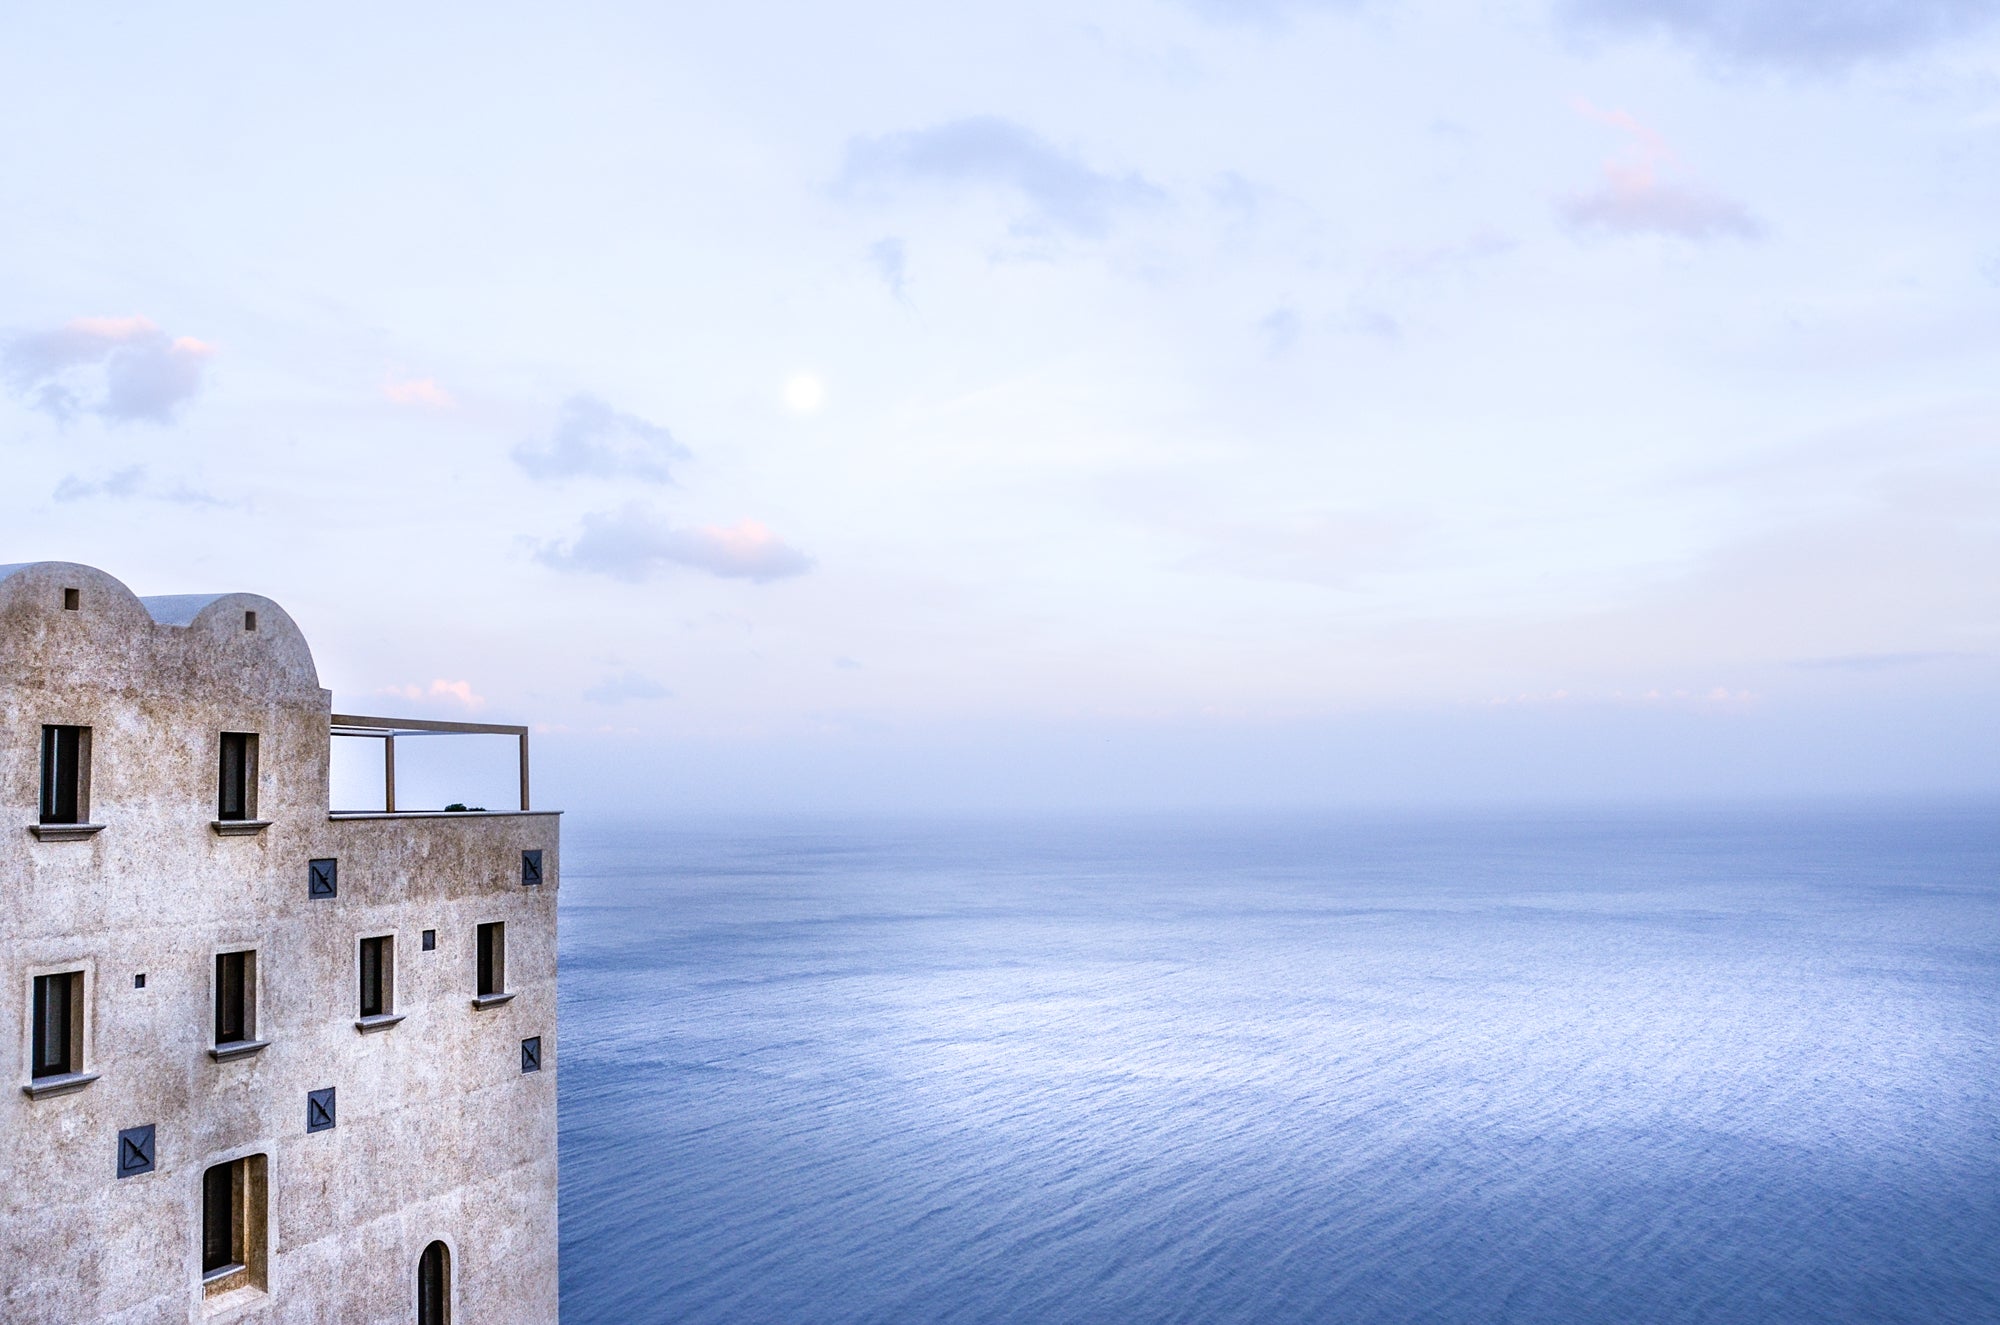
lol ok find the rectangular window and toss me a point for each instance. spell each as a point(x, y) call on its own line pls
point(492, 958)
point(232, 1224)
point(237, 796)
point(235, 997)
point(377, 976)
point(65, 775)
point(58, 1041)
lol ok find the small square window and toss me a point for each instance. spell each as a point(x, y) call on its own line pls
point(531, 1054)
point(249, 621)
point(72, 599)
point(430, 940)
point(139, 981)
point(531, 868)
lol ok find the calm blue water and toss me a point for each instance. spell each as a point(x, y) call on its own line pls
point(1596, 1068)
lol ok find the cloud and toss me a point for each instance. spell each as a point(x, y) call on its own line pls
point(887, 258)
point(131, 482)
point(1805, 34)
point(1636, 197)
point(593, 440)
point(632, 544)
point(119, 368)
point(1279, 330)
point(1875, 662)
point(1262, 13)
point(421, 391)
point(626, 687)
point(1058, 190)
point(124, 483)
point(456, 692)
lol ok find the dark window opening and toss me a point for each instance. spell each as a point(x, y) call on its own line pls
point(218, 1219)
point(376, 974)
point(237, 800)
point(249, 621)
point(139, 981)
point(234, 996)
point(492, 958)
point(434, 1286)
point(430, 939)
point(58, 1050)
point(65, 755)
point(232, 1224)
point(72, 599)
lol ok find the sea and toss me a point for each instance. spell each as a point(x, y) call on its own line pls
point(1696, 1064)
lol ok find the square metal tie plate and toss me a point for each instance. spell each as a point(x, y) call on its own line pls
point(135, 1151)
point(319, 1110)
point(323, 878)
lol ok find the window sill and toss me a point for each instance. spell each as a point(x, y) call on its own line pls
point(213, 1279)
point(65, 832)
point(61, 1085)
point(491, 1000)
point(239, 827)
point(222, 1053)
point(381, 1023)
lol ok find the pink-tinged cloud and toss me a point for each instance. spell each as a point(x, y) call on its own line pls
point(1644, 190)
point(423, 392)
point(455, 692)
point(633, 543)
point(120, 368)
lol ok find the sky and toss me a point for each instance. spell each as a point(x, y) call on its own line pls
point(1167, 403)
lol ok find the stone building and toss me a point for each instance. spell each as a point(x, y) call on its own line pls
point(273, 1062)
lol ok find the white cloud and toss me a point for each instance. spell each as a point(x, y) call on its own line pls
point(1640, 193)
point(633, 544)
point(1809, 34)
point(419, 391)
point(1057, 190)
point(459, 693)
point(119, 368)
point(593, 440)
point(626, 687)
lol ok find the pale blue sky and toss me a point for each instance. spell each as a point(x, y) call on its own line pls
point(1128, 403)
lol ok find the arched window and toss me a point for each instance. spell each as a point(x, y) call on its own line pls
point(434, 1286)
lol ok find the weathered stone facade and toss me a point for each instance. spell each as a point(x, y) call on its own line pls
point(439, 1132)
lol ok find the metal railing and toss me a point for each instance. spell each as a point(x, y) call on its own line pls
point(387, 730)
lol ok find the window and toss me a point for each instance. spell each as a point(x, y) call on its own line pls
point(434, 1285)
point(249, 621)
point(232, 1225)
point(65, 775)
point(492, 958)
point(235, 998)
point(378, 959)
point(236, 799)
point(72, 599)
point(58, 1039)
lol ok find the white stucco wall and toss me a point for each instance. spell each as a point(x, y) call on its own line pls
point(440, 1135)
